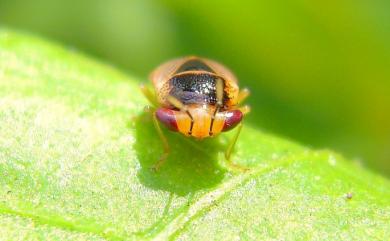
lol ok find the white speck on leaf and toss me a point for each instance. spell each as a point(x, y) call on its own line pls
point(332, 160)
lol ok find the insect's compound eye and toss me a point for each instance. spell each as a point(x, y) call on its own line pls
point(232, 118)
point(167, 117)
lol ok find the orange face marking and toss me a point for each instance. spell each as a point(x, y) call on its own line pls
point(183, 122)
point(202, 116)
point(202, 106)
point(203, 125)
point(202, 122)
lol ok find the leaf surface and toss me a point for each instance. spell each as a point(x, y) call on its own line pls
point(76, 149)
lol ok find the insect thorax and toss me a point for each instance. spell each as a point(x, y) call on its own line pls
point(195, 88)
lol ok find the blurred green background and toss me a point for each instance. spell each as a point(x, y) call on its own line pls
point(319, 71)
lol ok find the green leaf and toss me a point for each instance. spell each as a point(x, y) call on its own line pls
point(76, 148)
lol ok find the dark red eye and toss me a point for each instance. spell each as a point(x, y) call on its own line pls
point(167, 117)
point(233, 117)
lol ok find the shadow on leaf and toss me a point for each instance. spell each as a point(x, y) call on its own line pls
point(191, 165)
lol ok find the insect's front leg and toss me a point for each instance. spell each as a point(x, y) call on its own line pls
point(164, 140)
point(242, 95)
point(229, 151)
point(152, 110)
point(245, 109)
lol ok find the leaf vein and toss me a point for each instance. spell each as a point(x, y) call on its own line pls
point(207, 201)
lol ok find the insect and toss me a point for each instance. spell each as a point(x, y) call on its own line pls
point(197, 97)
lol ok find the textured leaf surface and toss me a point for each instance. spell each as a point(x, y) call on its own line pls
point(75, 153)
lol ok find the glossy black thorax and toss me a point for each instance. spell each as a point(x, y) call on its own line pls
point(195, 83)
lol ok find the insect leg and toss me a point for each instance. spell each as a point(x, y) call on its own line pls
point(149, 95)
point(242, 95)
point(179, 105)
point(245, 109)
point(219, 95)
point(230, 149)
point(164, 140)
